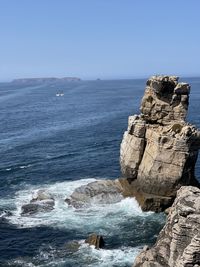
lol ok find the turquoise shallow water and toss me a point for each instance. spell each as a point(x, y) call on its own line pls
point(60, 143)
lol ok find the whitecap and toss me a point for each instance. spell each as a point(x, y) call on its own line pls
point(95, 217)
point(104, 219)
point(25, 166)
point(123, 256)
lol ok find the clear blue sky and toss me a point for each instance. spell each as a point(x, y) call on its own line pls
point(99, 38)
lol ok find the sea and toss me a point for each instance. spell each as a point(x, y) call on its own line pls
point(58, 144)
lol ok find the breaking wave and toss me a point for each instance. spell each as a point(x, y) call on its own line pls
point(113, 221)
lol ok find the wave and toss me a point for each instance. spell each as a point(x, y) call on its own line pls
point(116, 222)
point(16, 167)
point(25, 166)
point(85, 256)
point(123, 256)
point(67, 217)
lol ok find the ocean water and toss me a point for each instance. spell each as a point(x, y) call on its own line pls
point(60, 143)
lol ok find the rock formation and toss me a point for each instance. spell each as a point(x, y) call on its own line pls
point(42, 201)
point(95, 240)
point(159, 149)
point(178, 244)
point(98, 192)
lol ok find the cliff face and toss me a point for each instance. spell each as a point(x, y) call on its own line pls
point(159, 149)
point(178, 244)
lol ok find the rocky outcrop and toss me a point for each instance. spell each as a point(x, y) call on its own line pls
point(42, 201)
point(95, 240)
point(178, 244)
point(159, 149)
point(98, 192)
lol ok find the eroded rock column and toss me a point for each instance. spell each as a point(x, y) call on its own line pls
point(159, 149)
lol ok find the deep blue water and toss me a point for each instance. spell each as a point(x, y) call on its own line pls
point(59, 143)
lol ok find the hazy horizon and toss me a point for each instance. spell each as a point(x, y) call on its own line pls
point(96, 78)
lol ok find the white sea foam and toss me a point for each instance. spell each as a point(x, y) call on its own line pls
point(86, 256)
point(25, 166)
point(104, 219)
point(64, 216)
point(122, 256)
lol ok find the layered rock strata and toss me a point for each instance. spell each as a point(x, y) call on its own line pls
point(159, 149)
point(178, 244)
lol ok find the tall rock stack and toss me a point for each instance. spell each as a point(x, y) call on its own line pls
point(159, 149)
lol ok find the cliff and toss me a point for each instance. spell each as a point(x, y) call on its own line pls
point(159, 149)
point(178, 244)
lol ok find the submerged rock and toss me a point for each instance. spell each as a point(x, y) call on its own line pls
point(42, 201)
point(5, 213)
point(98, 192)
point(159, 149)
point(178, 244)
point(95, 240)
point(72, 246)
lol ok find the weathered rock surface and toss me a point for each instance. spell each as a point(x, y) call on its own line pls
point(95, 240)
point(178, 244)
point(159, 149)
point(42, 201)
point(98, 192)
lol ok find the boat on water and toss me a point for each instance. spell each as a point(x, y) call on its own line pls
point(60, 93)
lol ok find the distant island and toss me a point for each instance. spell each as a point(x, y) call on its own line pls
point(27, 81)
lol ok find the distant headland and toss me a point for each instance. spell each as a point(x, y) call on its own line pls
point(27, 81)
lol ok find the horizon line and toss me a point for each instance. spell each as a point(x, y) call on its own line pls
point(9, 80)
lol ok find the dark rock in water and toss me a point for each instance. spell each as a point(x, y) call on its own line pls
point(178, 244)
point(72, 246)
point(29, 209)
point(95, 240)
point(42, 201)
point(5, 213)
point(42, 206)
point(98, 192)
point(159, 149)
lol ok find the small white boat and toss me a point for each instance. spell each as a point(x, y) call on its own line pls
point(59, 94)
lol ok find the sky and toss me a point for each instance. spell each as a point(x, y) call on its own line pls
point(104, 39)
